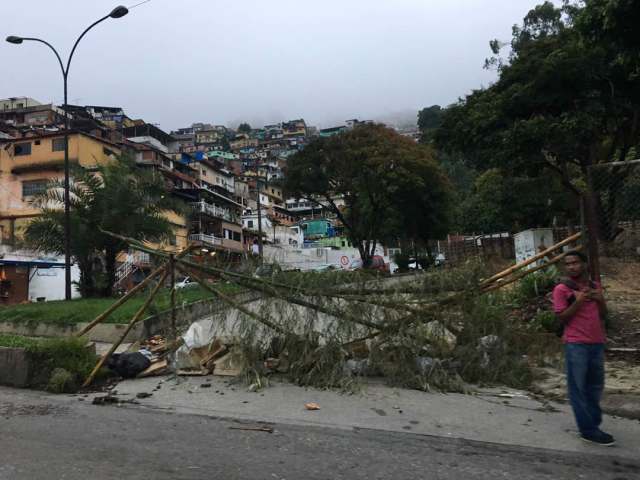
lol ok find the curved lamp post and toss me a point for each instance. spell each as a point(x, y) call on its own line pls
point(117, 12)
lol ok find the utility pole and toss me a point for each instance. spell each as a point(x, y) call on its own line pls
point(117, 12)
point(260, 246)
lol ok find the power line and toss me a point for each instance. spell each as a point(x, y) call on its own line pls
point(138, 4)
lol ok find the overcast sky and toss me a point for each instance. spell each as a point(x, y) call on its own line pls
point(175, 62)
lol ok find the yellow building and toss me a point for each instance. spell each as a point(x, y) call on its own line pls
point(28, 164)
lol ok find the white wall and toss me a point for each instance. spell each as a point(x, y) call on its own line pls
point(309, 258)
point(49, 283)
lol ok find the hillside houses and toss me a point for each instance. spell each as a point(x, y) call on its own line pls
point(222, 177)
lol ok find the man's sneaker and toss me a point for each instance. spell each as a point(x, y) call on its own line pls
point(599, 438)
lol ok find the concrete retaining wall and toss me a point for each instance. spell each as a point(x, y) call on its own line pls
point(161, 323)
point(107, 332)
point(111, 332)
point(15, 367)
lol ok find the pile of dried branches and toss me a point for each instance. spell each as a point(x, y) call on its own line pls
point(435, 330)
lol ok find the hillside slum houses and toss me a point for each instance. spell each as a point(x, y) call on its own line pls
point(229, 182)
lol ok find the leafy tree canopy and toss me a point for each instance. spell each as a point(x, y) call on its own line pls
point(244, 128)
point(392, 187)
point(429, 119)
point(567, 96)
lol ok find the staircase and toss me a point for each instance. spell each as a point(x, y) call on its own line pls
point(135, 260)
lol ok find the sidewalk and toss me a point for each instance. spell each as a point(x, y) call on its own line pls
point(498, 416)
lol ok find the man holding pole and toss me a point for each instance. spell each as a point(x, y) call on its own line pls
point(580, 307)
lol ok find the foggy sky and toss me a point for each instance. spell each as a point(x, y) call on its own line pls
point(175, 62)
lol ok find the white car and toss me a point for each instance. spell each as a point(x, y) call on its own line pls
point(184, 283)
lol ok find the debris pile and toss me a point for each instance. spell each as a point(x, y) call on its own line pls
point(436, 331)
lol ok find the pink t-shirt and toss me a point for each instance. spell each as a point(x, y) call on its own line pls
point(585, 326)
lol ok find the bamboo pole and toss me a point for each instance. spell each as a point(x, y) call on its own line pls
point(104, 315)
point(521, 275)
point(272, 292)
point(531, 260)
point(269, 288)
point(121, 301)
point(218, 271)
point(233, 303)
point(132, 323)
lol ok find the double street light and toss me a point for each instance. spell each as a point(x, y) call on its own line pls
point(117, 12)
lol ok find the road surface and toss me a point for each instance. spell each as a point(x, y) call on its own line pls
point(45, 437)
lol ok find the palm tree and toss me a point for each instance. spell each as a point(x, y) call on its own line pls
point(118, 197)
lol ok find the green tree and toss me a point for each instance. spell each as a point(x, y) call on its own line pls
point(118, 197)
point(244, 128)
point(429, 120)
point(499, 202)
point(567, 97)
point(224, 144)
point(392, 187)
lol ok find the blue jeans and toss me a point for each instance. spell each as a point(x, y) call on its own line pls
point(585, 382)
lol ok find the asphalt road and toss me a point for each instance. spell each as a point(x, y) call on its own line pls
point(43, 438)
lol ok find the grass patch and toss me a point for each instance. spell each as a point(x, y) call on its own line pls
point(58, 365)
point(86, 309)
point(16, 341)
point(61, 364)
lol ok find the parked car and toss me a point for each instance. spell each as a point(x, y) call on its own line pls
point(378, 263)
point(185, 283)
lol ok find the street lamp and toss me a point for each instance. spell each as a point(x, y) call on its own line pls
point(117, 12)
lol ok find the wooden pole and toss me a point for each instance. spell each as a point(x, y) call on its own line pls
point(531, 260)
point(172, 269)
point(239, 278)
point(103, 316)
point(132, 323)
point(554, 260)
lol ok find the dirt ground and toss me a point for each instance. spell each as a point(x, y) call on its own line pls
point(621, 281)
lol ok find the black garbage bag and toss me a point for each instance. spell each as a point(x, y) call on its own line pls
point(128, 365)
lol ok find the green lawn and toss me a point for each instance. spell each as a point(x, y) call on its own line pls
point(16, 341)
point(85, 310)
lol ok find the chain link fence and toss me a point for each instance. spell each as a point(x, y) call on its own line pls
point(617, 203)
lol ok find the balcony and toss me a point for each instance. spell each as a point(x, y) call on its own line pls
point(205, 238)
point(226, 187)
point(212, 210)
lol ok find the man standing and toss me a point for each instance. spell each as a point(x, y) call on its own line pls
point(580, 306)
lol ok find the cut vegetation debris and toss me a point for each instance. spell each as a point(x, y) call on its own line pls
point(437, 331)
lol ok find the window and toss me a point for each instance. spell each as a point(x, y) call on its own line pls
point(22, 149)
point(33, 187)
point(57, 145)
point(237, 237)
point(249, 223)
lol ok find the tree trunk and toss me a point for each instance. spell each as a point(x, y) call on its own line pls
point(110, 255)
point(86, 285)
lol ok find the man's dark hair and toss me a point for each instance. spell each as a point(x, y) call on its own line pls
point(577, 253)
